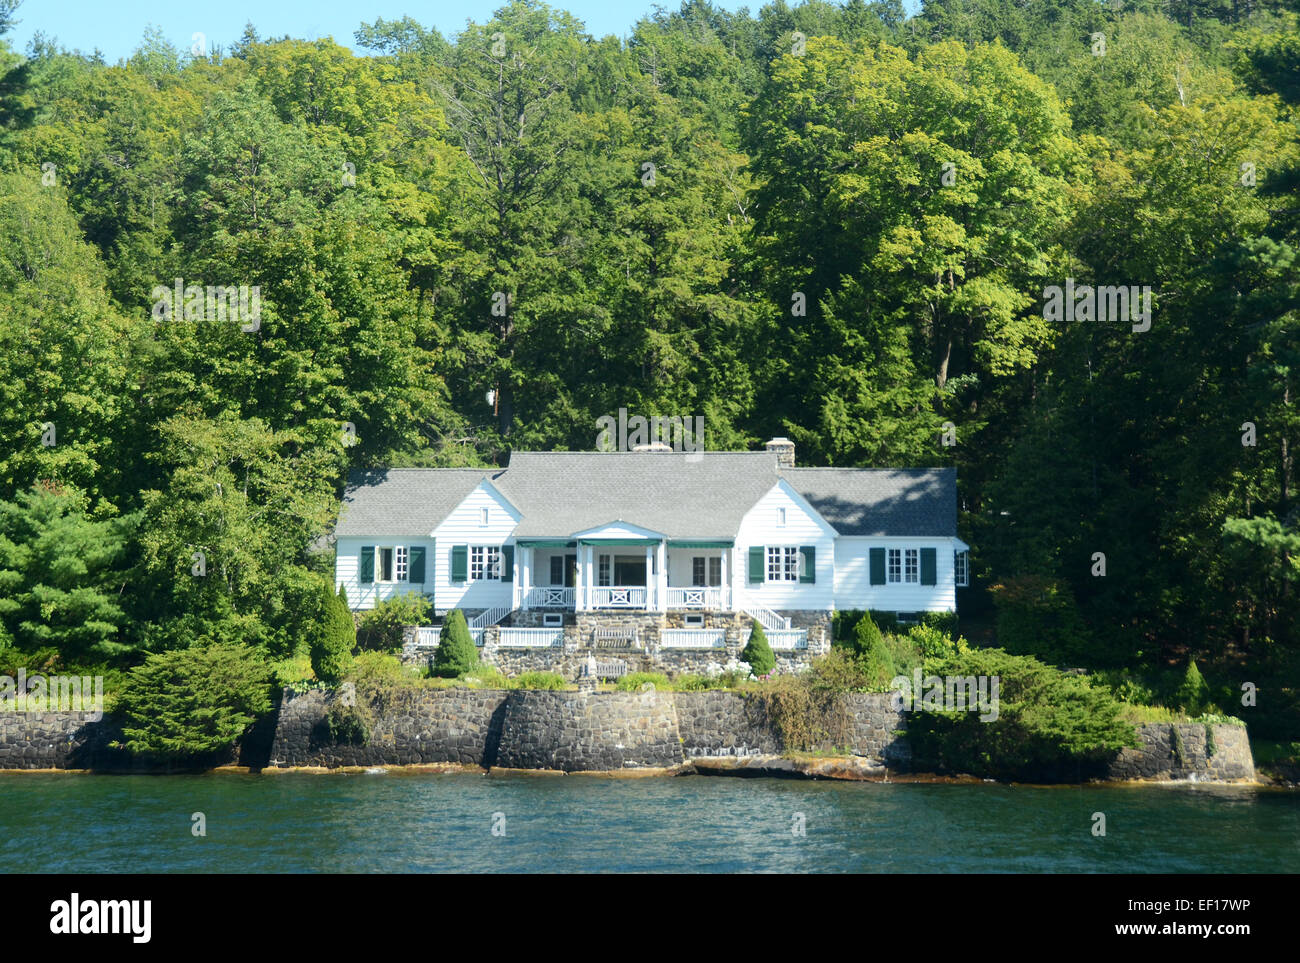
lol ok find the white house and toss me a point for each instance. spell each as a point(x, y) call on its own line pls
point(680, 538)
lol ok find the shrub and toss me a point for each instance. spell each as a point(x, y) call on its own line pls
point(1038, 616)
point(191, 703)
point(843, 624)
point(838, 671)
point(456, 652)
point(382, 628)
point(805, 717)
point(1050, 725)
point(372, 670)
point(634, 680)
point(1192, 693)
point(333, 638)
point(932, 642)
point(758, 652)
point(869, 648)
point(540, 680)
point(347, 724)
point(485, 677)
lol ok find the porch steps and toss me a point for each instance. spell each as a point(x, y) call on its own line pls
point(489, 617)
point(767, 618)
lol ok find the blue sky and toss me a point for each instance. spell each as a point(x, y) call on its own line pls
point(116, 26)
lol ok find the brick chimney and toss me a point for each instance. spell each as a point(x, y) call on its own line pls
point(784, 449)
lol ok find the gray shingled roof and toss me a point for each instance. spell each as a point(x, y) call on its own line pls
point(404, 501)
point(881, 501)
point(560, 493)
point(563, 492)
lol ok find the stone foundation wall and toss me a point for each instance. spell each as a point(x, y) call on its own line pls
point(1182, 751)
point(647, 655)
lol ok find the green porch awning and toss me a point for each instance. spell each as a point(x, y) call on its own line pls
point(690, 544)
point(643, 542)
point(545, 543)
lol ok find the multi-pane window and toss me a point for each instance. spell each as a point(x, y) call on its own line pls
point(904, 565)
point(401, 563)
point(782, 563)
point(706, 570)
point(484, 562)
point(603, 569)
point(961, 568)
point(557, 569)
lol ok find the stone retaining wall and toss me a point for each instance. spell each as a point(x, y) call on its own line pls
point(52, 740)
point(1182, 751)
point(574, 731)
point(416, 727)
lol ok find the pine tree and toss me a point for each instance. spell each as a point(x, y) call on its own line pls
point(456, 653)
point(758, 653)
point(334, 639)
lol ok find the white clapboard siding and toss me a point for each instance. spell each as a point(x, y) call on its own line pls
point(761, 526)
point(347, 570)
point(464, 527)
point(853, 588)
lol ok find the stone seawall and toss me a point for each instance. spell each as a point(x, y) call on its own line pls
point(1184, 751)
point(575, 731)
point(416, 727)
point(53, 740)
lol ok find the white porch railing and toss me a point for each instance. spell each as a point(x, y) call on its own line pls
point(784, 640)
point(544, 596)
point(768, 619)
point(693, 638)
point(717, 598)
point(530, 638)
point(618, 597)
point(427, 636)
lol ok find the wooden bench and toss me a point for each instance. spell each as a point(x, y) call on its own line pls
point(611, 637)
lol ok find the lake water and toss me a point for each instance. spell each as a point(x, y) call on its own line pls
point(394, 823)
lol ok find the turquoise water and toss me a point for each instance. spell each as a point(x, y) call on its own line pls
point(397, 823)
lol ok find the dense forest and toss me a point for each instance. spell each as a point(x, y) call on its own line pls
point(838, 223)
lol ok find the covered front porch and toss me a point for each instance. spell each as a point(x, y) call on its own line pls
point(641, 571)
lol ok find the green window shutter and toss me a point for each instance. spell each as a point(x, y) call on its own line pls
point(415, 569)
point(459, 563)
point(367, 564)
point(808, 563)
point(877, 557)
point(755, 564)
point(507, 563)
point(929, 567)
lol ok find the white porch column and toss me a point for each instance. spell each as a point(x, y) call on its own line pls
point(525, 575)
point(726, 592)
point(661, 579)
point(580, 589)
point(650, 578)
